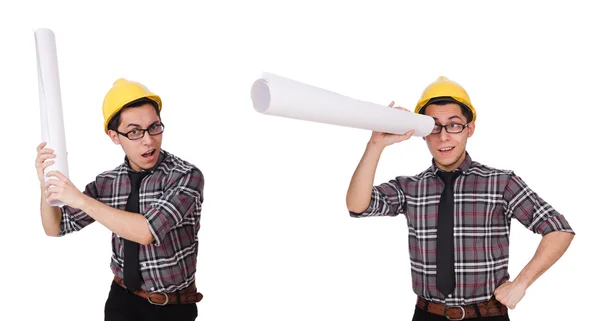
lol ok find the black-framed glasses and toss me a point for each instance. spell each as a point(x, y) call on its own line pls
point(138, 133)
point(452, 128)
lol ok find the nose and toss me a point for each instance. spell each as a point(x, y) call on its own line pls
point(444, 136)
point(147, 139)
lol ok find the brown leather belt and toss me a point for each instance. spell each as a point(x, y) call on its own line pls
point(489, 308)
point(186, 296)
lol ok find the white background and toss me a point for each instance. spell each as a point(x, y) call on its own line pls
point(276, 241)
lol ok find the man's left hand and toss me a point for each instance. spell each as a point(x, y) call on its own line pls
point(510, 293)
point(61, 189)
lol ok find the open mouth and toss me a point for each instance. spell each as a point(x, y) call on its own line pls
point(445, 149)
point(149, 153)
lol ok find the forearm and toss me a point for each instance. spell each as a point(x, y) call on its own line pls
point(552, 246)
point(131, 226)
point(358, 196)
point(51, 215)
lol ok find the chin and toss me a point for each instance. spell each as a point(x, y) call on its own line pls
point(447, 160)
point(147, 164)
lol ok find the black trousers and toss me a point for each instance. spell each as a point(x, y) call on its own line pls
point(123, 305)
point(422, 315)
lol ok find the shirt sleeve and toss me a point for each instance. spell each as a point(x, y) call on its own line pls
point(522, 203)
point(182, 199)
point(74, 219)
point(387, 199)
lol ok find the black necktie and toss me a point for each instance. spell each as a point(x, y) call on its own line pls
point(131, 273)
point(445, 235)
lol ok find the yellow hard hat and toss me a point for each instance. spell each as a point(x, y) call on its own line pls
point(443, 88)
point(122, 93)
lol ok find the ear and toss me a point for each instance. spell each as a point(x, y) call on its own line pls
point(114, 136)
point(471, 129)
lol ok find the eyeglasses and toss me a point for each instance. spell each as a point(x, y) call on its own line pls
point(138, 133)
point(452, 128)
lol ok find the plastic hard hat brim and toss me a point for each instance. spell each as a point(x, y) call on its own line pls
point(436, 100)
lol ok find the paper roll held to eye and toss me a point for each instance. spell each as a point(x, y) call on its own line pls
point(278, 96)
point(53, 132)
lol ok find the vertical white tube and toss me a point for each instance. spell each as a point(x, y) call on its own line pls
point(53, 132)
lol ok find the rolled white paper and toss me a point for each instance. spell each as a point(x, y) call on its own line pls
point(53, 132)
point(278, 96)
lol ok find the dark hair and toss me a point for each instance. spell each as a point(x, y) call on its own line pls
point(449, 100)
point(115, 121)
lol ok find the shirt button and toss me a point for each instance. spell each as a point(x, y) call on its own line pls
point(152, 289)
point(449, 295)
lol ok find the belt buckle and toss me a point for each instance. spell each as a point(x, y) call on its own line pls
point(461, 309)
point(156, 303)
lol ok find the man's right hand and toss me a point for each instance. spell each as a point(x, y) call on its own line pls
point(51, 215)
point(385, 139)
point(358, 196)
point(40, 161)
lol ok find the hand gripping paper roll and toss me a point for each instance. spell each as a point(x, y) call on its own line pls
point(53, 132)
point(278, 96)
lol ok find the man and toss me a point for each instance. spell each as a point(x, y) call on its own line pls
point(458, 213)
point(154, 240)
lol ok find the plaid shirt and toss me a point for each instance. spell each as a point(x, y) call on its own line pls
point(171, 199)
point(486, 199)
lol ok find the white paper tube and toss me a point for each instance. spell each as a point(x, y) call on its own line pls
point(278, 96)
point(53, 132)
